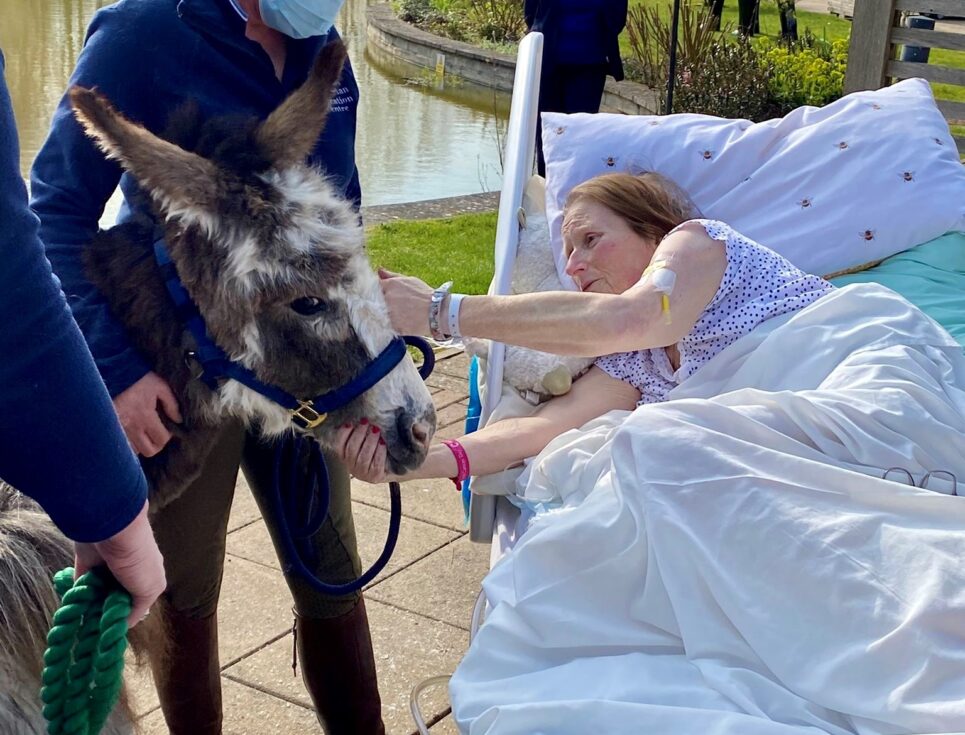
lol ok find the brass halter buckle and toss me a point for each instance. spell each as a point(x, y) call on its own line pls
point(306, 417)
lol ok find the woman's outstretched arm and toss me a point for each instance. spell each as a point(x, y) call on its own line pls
point(585, 324)
point(499, 445)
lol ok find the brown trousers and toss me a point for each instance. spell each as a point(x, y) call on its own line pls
point(191, 531)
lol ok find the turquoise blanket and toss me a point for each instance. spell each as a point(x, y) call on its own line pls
point(931, 276)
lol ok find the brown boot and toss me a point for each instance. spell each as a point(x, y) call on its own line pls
point(187, 674)
point(338, 669)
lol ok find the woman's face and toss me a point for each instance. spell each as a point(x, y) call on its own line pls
point(603, 254)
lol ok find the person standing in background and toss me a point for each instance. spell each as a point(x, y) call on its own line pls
point(580, 49)
point(748, 17)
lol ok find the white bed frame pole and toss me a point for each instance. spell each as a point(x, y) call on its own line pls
point(517, 170)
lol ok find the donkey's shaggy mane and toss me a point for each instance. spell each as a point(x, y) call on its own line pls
point(31, 550)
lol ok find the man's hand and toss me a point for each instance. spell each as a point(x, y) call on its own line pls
point(408, 299)
point(134, 560)
point(138, 409)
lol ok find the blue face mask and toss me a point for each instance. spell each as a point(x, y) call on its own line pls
point(300, 18)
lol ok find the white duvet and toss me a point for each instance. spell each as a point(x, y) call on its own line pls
point(731, 561)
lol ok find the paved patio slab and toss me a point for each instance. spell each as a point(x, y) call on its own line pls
point(250, 712)
point(443, 586)
point(416, 540)
point(430, 501)
point(409, 648)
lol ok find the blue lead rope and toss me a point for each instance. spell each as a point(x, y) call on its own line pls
point(308, 495)
point(473, 414)
point(305, 496)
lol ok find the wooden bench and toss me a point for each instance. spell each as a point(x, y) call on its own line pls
point(876, 35)
point(842, 8)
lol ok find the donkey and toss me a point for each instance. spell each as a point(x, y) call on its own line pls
point(273, 258)
point(31, 551)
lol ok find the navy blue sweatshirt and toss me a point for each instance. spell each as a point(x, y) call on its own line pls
point(60, 441)
point(149, 57)
point(579, 32)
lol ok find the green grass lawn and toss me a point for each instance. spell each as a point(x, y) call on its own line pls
point(459, 249)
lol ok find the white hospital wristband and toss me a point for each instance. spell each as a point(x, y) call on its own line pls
point(455, 302)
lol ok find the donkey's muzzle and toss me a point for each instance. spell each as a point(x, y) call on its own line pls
point(413, 434)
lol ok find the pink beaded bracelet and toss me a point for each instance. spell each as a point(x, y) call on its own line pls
point(462, 461)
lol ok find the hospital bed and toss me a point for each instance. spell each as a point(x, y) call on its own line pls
point(932, 275)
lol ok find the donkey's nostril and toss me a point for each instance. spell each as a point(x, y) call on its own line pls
point(420, 433)
point(414, 434)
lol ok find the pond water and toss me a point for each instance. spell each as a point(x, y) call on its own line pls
point(415, 142)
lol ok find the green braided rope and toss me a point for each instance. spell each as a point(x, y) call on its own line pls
point(84, 660)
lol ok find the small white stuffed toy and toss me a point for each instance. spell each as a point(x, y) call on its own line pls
point(536, 376)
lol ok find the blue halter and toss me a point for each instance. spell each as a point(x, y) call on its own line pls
point(304, 495)
point(216, 365)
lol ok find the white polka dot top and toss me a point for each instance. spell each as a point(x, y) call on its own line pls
point(758, 284)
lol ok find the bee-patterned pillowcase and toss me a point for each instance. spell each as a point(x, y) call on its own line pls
point(832, 188)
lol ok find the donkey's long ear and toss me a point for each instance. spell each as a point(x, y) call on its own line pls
point(291, 131)
point(179, 180)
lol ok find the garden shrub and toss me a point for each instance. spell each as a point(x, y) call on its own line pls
point(730, 81)
point(497, 21)
point(480, 21)
point(433, 16)
point(649, 35)
point(416, 12)
point(808, 72)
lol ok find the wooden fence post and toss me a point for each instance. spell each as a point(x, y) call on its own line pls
point(871, 48)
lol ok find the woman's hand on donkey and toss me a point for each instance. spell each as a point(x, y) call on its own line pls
point(138, 409)
point(408, 301)
point(362, 449)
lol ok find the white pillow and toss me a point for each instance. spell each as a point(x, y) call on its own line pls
point(830, 188)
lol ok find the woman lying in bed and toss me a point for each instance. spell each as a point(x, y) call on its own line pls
point(662, 294)
point(727, 558)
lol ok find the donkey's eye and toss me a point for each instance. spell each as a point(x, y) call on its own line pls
point(309, 306)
